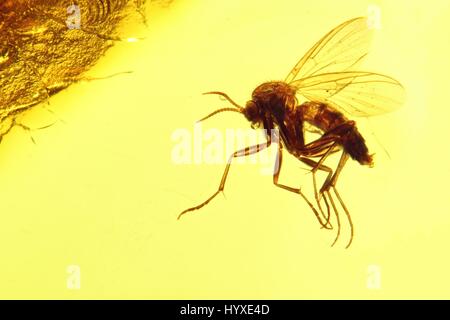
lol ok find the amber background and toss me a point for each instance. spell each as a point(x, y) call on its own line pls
point(99, 189)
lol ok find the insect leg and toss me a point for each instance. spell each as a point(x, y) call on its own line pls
point(331, 183)
point(342, 161)
point(318, 195)
point(340, 166)
point(326, 193)
point(276, 175)
point(321, 147)
point(240, 153)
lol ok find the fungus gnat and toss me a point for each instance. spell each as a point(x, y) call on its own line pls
point(325, 77)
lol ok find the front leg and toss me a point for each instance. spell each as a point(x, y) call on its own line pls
point(240, 153)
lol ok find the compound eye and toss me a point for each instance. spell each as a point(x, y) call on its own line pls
point(251, 112)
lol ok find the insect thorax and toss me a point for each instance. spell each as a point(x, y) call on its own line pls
point(272, 99)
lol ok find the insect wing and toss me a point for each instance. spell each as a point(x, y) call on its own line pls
point(339, 50)
point(356, 93)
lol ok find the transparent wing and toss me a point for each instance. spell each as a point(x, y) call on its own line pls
point(356, 93)
point(339, 50)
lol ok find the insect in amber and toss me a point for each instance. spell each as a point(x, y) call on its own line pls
point(325, 77)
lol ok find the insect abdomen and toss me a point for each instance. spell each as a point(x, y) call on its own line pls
point(333, 122)
point(355, 145)
point(322, 116)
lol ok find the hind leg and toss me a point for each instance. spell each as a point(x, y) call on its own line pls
point(330, 183)
point(276, 176)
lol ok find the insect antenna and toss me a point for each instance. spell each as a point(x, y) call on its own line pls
point(226, 97)
point(237, 108)
point(219, 111)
